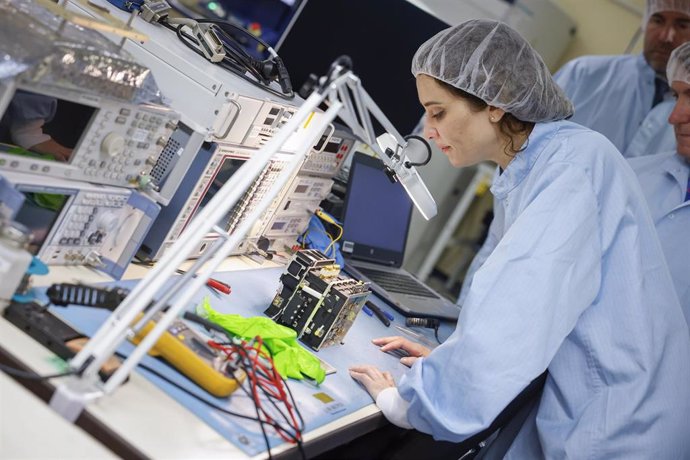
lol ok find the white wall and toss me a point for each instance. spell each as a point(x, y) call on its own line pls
point(542, 22)
point(603, 26)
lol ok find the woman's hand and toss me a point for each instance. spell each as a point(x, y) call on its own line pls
point(413, 350)
point(372, 379)
point(50, 147)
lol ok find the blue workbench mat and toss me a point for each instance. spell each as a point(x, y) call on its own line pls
point(252, 292)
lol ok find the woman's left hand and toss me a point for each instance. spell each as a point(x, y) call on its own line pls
point(372, 378)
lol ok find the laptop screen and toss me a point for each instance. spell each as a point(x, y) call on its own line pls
point(377, 212)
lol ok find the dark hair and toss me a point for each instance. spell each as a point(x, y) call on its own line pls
point(509, 125)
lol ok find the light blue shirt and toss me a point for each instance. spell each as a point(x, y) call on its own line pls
point(664, 179)
point(613, 95)
point(27, 106)
point(576, 283)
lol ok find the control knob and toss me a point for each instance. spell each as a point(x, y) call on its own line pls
point(113, 144)
point(107, 222)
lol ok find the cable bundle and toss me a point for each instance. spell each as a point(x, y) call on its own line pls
point(265, 385)
point(216, 41)
point(200, 34)
point(316, 236)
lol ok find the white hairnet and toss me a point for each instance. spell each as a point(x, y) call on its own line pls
point(490, 60)
point(678, 68)
point(657, 6)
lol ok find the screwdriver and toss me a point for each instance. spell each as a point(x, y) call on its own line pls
point(212, 283)
point(380, 314)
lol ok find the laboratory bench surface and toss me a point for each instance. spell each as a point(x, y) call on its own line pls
point(143, 418)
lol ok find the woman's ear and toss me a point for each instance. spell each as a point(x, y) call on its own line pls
point(495, 114)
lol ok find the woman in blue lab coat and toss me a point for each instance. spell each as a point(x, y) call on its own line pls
point(575, 282)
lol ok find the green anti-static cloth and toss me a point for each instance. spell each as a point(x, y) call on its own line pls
point(290, 359)
point(49, 200)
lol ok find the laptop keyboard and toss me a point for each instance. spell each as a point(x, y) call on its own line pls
point(395, 282)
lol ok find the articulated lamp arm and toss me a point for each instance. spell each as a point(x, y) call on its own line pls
point(399, 154)
point(163, 288)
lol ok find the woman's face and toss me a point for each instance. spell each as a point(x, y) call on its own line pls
point(466, 136)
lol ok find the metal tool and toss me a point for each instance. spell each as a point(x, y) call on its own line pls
point(213, 283)
point(417, 336)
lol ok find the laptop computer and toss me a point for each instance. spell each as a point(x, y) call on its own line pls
point(376, 221)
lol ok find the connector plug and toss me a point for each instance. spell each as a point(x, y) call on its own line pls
point(209, 42)
point(154, 10)
point(283, 76)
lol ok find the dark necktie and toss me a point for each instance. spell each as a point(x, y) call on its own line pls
point(687, 191)
point(660, 90)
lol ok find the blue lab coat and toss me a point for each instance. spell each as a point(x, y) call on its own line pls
point(664, 178)
point(23, 108)
point(30, 106)
point(613, 95)
point(576, 282)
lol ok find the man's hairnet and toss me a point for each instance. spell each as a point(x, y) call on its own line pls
point(490, 60)
point(657, 6)
point(678, 68)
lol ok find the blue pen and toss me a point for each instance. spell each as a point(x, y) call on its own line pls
point(366, 310)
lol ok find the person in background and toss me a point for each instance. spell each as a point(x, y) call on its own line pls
point(576, 285)
point(23, 124)
point(665, 180)
point(626, 97)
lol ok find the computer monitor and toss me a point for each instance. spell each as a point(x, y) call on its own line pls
point(376, 215)
point(380, 36)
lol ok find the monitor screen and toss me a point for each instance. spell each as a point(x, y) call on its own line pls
point(227, 169)
point(377, 211)
point(380, 36)
point(30, 118)
point(39, 213)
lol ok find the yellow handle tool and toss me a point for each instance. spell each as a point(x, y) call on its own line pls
point(187, 351)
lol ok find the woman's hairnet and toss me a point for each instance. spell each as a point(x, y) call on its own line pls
point(656, 6)
point(678, 68)
point(490, 60)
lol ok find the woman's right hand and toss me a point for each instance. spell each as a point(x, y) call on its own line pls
point(414, 350)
